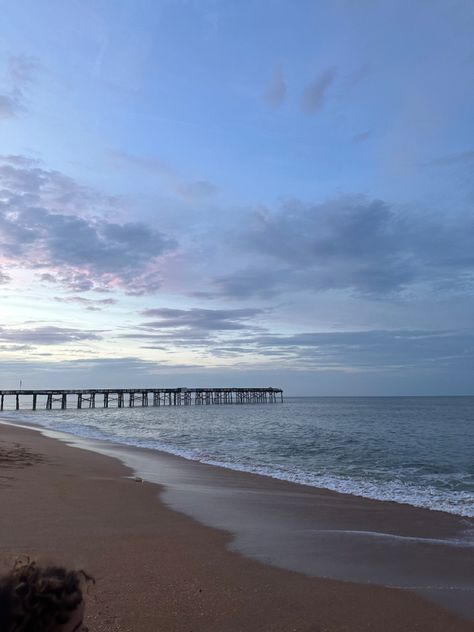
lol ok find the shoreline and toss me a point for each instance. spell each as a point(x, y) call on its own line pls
point(121, 451)
point(176, 490)
point(274, 475)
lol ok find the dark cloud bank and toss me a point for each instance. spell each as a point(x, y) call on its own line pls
point(352, 243)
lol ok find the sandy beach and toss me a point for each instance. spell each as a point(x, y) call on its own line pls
point(159, 569)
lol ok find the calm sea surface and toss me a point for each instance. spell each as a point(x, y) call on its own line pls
point(416, 450)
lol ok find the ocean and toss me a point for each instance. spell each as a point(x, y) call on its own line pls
point(415, 450)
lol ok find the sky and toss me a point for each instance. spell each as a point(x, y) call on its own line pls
point(238, 193)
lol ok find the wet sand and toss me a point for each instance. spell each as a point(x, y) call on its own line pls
point(158, 569)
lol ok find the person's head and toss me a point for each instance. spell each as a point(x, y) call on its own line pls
point(42, 599)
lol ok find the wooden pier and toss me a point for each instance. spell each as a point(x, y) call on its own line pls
point(131, 397)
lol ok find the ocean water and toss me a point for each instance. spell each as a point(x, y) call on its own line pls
point(415, 450)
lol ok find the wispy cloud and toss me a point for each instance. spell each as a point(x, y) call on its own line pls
point(196, 329)
point(4, 278)
point(42, 370)
point(92, 305)
point(202, 319)
point(315, 94)
point(20, 74)
point(46, 335)
point(253, 281)
point(275, 92)
point(367, 350)
point(189, 190)
point(10, 106)
point(361, 137)
point(459, 158)
point(196, 190)
point(344, 351)
point(126, 160)
point(22, 69)
point(357, 77)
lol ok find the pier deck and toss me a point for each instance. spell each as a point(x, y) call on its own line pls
point(130, 397)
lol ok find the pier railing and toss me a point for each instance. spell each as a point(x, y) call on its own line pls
point(131, 397)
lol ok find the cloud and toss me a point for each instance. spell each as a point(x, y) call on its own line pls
point(368, 350)
point(357, 77)
point(15, 348)
point(275, 92)
point(20, 161)
point(361, 137)
point(127, 365)
point(253, 281)
point(21, 72)
point(315, 94)
point(125, 160)
point(95, 372)
point(4, 278)
point(22, 69)
point(351, 243)
point(10, 106)
point(343, 351)
point(46, 335)
point(49, 220)
point(88, 303)
point(26, 180)
point(197, 190)
point(201, 320)
point(460, 158)
point(195, 329)
point(191, 191)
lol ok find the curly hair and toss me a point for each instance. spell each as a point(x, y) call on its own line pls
point(38, 599)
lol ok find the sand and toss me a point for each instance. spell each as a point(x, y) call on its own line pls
point(157, 569)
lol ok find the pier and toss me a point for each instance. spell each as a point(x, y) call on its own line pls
point(131, 397)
